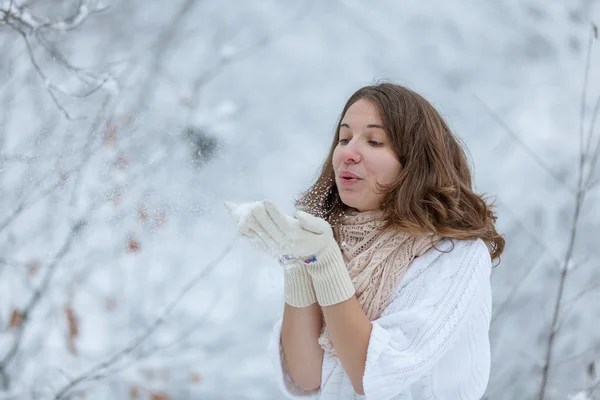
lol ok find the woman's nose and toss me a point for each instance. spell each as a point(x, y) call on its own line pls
point(351, 153)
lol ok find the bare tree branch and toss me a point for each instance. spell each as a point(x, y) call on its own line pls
point(557, 305)
point(227, 59)
point(541, 245)
point(87, 150)
point(593, 152)
point(102, 366)
point(47, 83)
point(574, 357)
point(595, 112)
point(570, 303)
point(583, 143)
point(86, 76)
point(155, 349)
point(73, 173)
point(27, 159)
point(535, 237)
point(25, 205)
point(25, 24)
point(515, 289)
point(12, 13)
point(592, 389)
point(8, 100)
point(586, 149)
point(579, 200)
point(160, 47)
point(526, 147)
point(34, 300)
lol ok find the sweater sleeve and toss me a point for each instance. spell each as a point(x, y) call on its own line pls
point(284, 380)
point(423, 322)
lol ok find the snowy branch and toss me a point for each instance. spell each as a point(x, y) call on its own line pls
point(114, 368)
point(28, 25)
point(13, 14)
point(534, 156)
point(229, 57)
point(97, 370)
point(34, 301)
point(28, 203)
point(159, 48)
point(582, 188)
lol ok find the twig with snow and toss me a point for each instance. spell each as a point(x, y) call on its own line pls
point(593, 389)
point(113, 369)
point(512, 294)
point(34, 300)
point(229, 56)
point(96, 371)
point(159, 48)
point(22, 21)
point(72, 173)
point(538, 160)
point(11, 12)
point(25, 205)
point(570, 303)
point(586, 156)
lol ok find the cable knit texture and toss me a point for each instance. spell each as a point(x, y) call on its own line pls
point(375, 259)
point(430, 342)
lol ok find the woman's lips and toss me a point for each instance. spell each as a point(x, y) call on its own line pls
point(349, 181)
point(348, 178)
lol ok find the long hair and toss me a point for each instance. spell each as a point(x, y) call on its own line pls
point(433, 192)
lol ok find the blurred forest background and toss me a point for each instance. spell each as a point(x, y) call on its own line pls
point(125, 124)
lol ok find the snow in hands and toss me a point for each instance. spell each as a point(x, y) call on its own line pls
point(279, 235)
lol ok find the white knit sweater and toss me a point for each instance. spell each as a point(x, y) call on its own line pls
point(431, 342)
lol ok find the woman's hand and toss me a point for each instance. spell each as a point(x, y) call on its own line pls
point(274, 232)
point(281, 236)
point(307, 239)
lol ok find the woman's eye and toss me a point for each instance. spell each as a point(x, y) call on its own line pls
point(374, 143)
point(344, 141)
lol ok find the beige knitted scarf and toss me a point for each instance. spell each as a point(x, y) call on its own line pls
point(376, 260)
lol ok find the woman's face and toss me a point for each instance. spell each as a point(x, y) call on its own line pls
point(363, 157)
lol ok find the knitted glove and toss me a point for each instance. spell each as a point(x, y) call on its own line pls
point(307, 239)
point(298, 289)
point(327, 268)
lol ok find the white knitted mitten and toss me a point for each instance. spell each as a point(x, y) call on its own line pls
point(306, 239)
point(327, 268)
point(298, 288)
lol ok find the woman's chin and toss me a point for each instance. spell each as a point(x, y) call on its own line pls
point(358, 205)
point(352, 203)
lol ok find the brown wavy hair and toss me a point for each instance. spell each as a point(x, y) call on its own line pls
point(433, 192)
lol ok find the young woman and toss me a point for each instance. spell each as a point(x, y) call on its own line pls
point(387, 262)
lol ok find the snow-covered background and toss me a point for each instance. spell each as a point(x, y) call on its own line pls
point(120, 274)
